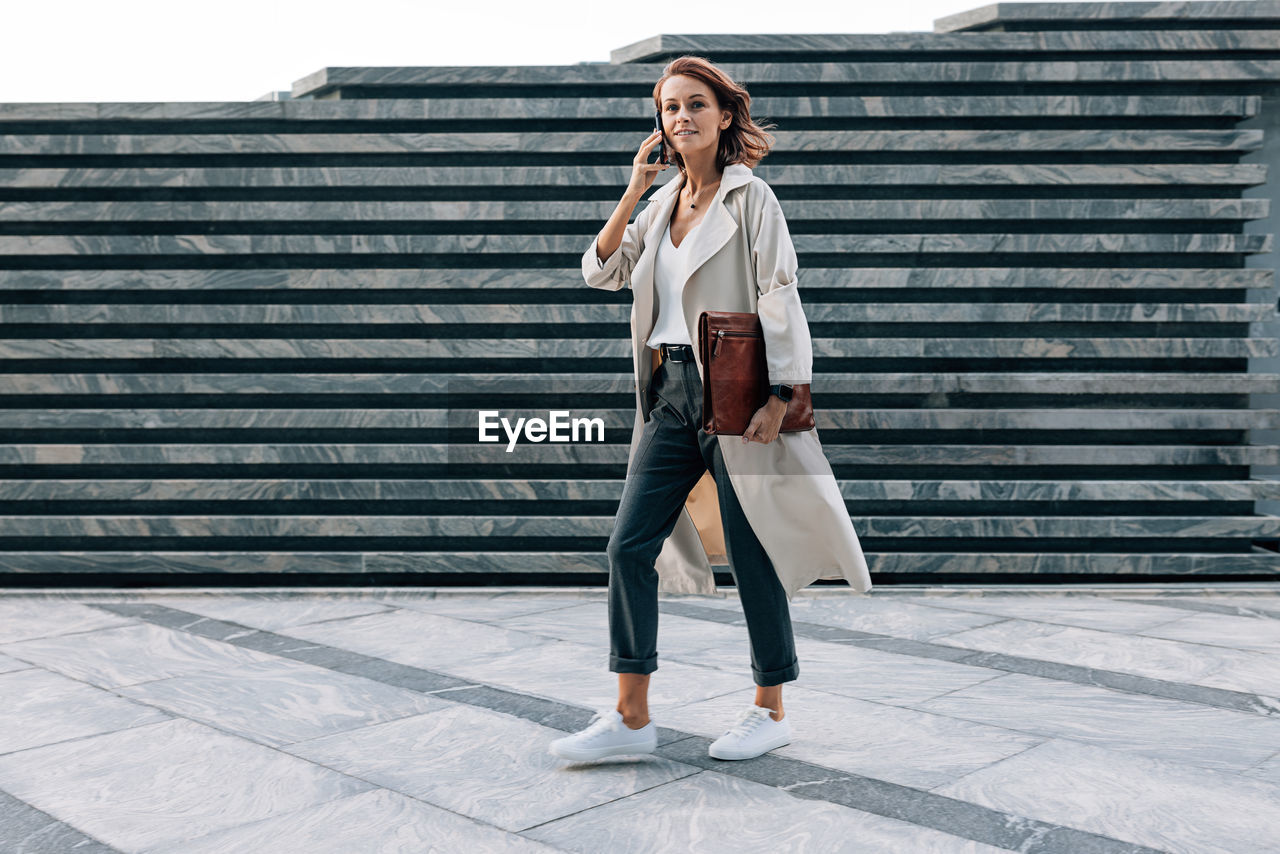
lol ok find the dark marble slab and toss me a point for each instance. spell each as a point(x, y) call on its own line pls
point(1059, 455)
point(841, 143)
point(801, 215)
point(1058, 348)
point(458, 182)
point(521, 491)
point(370, 317)
point(328, 82)
point(801, 47)
point(929, 277)
point(484, 526)
point(287, 419)
point(1009, 385)
point(1206, 13)
point(178, 563)
point(452, 249)
point(262, 114)
point(798, 48)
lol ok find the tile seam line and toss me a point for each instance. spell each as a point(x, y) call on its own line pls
point(695, 771)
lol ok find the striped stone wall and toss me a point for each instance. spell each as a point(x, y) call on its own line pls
point(248, 341)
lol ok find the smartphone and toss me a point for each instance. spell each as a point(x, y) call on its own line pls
point(662, 142)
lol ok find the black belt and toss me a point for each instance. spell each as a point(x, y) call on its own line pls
point(676, 352)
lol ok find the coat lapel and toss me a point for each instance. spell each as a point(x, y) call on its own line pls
point(718, 225)
point(715, 230)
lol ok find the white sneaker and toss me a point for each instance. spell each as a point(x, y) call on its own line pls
point(754, 733)
point(606, 735)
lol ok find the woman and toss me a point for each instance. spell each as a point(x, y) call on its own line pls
point(714, 237)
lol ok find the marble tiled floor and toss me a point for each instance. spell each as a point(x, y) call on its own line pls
point(946, 719)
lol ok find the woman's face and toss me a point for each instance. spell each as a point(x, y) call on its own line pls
point(691, 116)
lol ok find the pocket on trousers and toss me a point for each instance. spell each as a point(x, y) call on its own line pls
point(651, 391)
point(664, 408)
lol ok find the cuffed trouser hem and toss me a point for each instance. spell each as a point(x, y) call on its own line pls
point(776, 677)
point(632, 665)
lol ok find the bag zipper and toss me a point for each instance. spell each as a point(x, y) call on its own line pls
point(720, 333)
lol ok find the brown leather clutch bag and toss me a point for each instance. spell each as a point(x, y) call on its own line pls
point(735, 375)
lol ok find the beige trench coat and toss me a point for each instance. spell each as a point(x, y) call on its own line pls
point(787, 490)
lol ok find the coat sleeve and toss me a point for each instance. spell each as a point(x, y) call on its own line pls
point(788, 347)
point(615, 271)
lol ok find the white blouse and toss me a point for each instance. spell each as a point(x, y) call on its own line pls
point(668, 273)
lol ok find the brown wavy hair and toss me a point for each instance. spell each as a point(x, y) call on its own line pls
point(743, 141)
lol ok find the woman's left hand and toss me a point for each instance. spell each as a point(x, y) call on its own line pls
point(766, 422)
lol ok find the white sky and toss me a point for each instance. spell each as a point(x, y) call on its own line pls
point(237, 50)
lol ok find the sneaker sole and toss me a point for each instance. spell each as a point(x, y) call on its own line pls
point(723, 753)
point(601, 752)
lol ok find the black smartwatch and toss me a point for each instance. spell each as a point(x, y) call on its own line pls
point(782, 391)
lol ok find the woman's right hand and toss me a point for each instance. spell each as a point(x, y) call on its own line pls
point(642, 171)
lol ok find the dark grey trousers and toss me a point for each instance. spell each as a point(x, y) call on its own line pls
point(673, 454)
